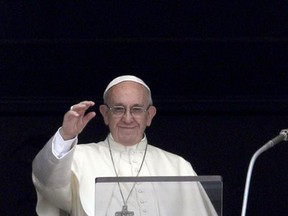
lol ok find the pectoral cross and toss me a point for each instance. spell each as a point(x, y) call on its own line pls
point(124, 212)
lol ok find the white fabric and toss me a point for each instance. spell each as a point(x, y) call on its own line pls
point(61, 147)
point(67, 184)
point(124, 78)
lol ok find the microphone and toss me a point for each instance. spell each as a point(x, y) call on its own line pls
point(283, 136)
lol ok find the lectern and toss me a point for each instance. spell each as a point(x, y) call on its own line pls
point(159, 196)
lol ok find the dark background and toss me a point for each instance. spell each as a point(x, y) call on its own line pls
point(217, 71)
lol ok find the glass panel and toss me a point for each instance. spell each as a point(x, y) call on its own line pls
point(159, 196)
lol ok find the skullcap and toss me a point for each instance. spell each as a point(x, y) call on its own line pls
point(124, 78)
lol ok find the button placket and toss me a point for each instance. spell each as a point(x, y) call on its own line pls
point(135, 162)
point(142, 199)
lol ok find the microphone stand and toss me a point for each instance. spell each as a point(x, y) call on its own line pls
point(269, 144)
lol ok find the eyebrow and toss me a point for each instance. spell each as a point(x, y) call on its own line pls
point(134, 105)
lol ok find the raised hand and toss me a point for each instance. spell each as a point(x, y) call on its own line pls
point(76, 119)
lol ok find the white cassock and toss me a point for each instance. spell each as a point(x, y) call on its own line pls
point(66, 185)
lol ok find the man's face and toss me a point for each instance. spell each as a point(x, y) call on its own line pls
point(128, 129)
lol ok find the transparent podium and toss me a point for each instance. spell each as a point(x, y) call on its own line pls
point(159, 196)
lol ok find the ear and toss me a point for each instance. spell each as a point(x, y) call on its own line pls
point(151, 112)
point(104, 111)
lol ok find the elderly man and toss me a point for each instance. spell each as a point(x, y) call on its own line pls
point(64, 173)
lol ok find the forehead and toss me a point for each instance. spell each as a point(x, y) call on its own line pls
point(128, 91)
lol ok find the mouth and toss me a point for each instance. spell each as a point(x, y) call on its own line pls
point(127, 127)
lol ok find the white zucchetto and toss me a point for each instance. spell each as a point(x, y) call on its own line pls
point(124, 78)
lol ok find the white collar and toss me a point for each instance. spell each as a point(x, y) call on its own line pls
point(121, 148)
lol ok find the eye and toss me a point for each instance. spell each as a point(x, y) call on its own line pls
point(118, 110)
point(137, 110)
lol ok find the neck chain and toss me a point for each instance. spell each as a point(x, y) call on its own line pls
point(125, 209)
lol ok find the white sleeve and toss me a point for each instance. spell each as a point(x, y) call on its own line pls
point(61, 147)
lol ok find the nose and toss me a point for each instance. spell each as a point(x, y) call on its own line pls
point(127, 116)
